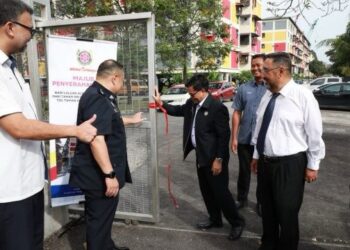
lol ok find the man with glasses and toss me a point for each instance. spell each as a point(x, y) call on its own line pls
point(244, 106)
point(21, 155)
point(288, 150)
point(207, 131)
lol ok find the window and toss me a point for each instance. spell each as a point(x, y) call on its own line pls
point(332, 89)
point(318, 82)
point(346, 89)
point(263, 35)
point(268, 25)
point(333, 80)
point(280, 24)
point(263, 46)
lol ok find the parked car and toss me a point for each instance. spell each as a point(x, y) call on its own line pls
point(334, 96)
point(323, 80)
point(137, 87)
point(176, 95)
point(222, 90)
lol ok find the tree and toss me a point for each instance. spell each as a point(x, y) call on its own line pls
point(339, 53)
point(317, 68)
point(242, 77)
point(182, 27)
point(185, 27)
point(297, 8)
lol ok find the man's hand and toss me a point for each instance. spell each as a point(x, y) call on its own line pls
point(310, 175)
point(112, 187)
point(137, 118)
point(156, 97)
point(216, 167)
point(85, 131)
point(254, 166)
point(234, 145)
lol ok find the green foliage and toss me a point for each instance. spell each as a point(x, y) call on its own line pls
point(339, 53)
point(214, 76)
point(180, 25)
point(242, 77)
point(317, 68)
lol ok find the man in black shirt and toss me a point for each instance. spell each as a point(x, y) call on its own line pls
point(101, 168)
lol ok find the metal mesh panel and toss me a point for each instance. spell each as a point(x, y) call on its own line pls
point(136, 199)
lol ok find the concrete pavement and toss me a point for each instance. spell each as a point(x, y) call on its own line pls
point(324, 217)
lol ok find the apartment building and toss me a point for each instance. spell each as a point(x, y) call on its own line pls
point(283, 35)
point(249, 14)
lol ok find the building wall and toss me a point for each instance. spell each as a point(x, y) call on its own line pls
point(283, 35)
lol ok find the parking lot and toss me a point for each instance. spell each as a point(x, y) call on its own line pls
point(324, 217)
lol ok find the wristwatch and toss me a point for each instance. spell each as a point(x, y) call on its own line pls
point(218, 159)
point(110, 175)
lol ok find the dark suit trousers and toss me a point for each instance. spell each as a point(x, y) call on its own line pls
point(245, 154)
point(217, 197)
point(22, 224)
point(282, 188)
point(99, 215)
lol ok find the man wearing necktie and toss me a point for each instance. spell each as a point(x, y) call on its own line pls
point(21, 156)
point(288, 150)
point(207, 131)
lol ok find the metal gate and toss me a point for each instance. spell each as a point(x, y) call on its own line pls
point(135, 34)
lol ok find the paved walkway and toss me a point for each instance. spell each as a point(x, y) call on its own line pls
point(324, 217)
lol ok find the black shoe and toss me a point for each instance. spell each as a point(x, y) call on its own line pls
point(241, 204)
point(236, 232)
point(120, 248)
point(208, 224)
point(258, 209)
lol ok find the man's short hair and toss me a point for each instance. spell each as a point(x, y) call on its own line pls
point(281, 59)
point(198, 82)
point(108, 68)
point(262, 56)
point(10, 10)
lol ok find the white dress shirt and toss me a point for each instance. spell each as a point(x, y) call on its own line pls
point(193, 132)
point(22, 164)
point(296, 125)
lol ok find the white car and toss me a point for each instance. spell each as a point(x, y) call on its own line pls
point(315, 84)
point(176, 95)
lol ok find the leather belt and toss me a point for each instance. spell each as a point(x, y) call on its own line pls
point(270, 159)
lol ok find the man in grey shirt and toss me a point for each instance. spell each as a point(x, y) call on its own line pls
point(245, 105)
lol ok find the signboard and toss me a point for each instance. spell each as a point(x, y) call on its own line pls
point(72, 67)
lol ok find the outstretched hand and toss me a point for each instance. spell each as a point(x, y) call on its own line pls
point(156, 97)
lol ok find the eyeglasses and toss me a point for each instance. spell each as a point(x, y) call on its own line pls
point(268, 70)
point(193, 94)
point(30, 29)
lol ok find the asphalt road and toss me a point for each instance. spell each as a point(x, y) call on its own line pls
point(324, 217)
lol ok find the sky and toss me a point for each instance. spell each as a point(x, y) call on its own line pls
point(327, 27)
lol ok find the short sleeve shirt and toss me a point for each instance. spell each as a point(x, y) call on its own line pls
point(247, 100)
point(22, 163)
point(86, 173)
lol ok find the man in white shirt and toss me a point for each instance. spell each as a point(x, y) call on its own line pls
point(21, 155)
point(288, 148)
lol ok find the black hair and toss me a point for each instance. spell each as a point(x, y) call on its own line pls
point(198, 82)
point(262, 55)
point(281, 58)
point(10, 10)
point(108, 67)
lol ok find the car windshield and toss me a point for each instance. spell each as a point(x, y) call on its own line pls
point(177, 91)
point(215, 85)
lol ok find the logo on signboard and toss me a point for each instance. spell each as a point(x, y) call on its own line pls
point(84, 57)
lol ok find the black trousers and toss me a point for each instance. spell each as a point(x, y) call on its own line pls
point(245, 155)
point(217, 197)
point(282, 188)
point(99, 215)
point(22, 224)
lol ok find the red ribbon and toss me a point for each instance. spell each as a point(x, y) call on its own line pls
point(154, 105)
